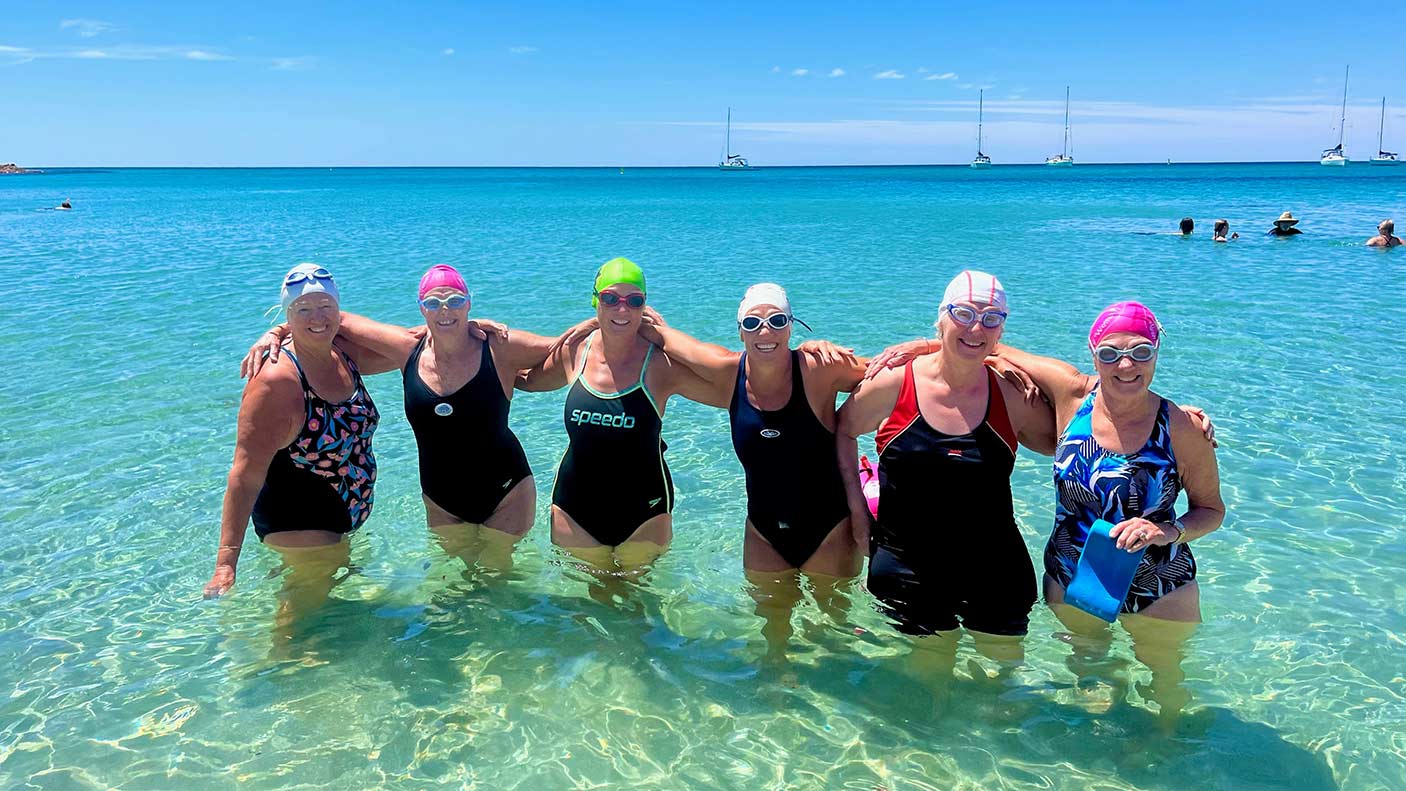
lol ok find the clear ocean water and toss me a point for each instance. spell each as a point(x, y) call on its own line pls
point(124, 321)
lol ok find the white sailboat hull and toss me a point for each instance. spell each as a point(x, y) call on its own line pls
point(1060, 162)
point(1385, 161)
point(1333, 161)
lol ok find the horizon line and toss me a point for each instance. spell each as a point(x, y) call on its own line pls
point(41, 169)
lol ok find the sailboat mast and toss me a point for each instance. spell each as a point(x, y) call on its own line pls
point(1066, 120)
point(1342, 121)
point(981, 106)
point(727, 146)
point(1381, 125)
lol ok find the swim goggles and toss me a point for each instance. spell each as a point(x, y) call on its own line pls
point(298, 276)
point(965, 316)
point(776, 321)
point(453, 302)
point(1141, 353)
point(610, 299)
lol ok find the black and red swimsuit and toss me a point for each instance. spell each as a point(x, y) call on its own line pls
point(946, 548)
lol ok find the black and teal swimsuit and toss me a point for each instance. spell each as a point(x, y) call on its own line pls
point(613, 477)
point(795, 494)
point(469, 458)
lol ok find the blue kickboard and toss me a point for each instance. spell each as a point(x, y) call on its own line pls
point(1104, 575)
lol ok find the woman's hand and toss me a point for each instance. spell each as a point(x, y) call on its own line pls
point(482, 328)
point(270, 344)
point(220, 582)
point(1200, 418)
point(828, 353)
point(1137, 534)
point(574, 334)
point(900, 355)
point(1017, 376)
point(651, 316)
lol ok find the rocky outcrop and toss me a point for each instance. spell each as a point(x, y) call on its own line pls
point(11, 168)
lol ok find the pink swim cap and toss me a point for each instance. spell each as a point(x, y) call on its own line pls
point(1133, 317)
point(442, 276)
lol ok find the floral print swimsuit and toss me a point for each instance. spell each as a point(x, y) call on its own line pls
point(325, 479)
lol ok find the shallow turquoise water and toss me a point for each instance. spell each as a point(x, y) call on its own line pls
point(125, 318)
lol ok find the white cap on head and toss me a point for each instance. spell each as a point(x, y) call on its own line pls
point(305, 279)
point(764, 294)
point(977, 288)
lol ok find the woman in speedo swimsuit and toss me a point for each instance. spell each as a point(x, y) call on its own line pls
point(613, 497)
point(477, 487)
point(303, 467)
point(946, 550)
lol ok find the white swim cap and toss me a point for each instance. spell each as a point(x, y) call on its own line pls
point(976, 287)
point(307, 278)
point(764, 294)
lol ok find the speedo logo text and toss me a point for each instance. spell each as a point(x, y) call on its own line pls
point(583, 417)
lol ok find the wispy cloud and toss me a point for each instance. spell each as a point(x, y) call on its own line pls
point(521, 50)
point(298, 63)
point(201, 54)
point(837, 72)
point(799, 72)
point(87, 28)
point(447, 51)
point(117, 52)
point(775, 69)
point(946, 75)
point(890, 74)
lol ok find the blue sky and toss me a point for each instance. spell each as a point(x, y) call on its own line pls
point(421, 83)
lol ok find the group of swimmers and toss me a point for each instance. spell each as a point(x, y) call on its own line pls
point(950, 411)
point(1285, 226)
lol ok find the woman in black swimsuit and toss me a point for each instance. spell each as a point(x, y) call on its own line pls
point(613, 499)
point(478, 491)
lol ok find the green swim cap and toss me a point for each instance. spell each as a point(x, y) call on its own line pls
point(617, 270)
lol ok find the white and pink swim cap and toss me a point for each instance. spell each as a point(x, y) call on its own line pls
point(1133, 317)
point(442, 276)
point(977, 288)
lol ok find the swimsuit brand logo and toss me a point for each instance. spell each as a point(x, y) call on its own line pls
point(770, 433)
point(583, 417)
point(443, 410)
point(655, 501)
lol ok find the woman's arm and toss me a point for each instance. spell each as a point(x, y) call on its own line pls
point(713, 368)
point(1200, 476)
point(1032, 419)
point(554, 371)
point(1057, 379)
point(863, 412)
point(675, 377)
point(386, 340)
point(269, 416)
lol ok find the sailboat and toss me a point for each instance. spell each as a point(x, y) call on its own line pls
point(1383, 156)
point(731, 161)
point(1335, 156)
point(981, 162)
point(1064, 159)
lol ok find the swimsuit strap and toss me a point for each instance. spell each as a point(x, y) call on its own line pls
point(585, 357)
point(798, 383)
point(648, 353)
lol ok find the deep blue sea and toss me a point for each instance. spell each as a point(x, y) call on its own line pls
point(125, 318)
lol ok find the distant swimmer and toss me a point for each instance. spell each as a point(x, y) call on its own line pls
point(1187, 225)
point(65, 206)
point(1221, 232)
point(1284, 226)
point(1386, 235)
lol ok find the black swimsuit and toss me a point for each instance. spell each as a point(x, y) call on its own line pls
point(946, 545)
point(469, 458)
point(795, 495)
point(613, 477)
point(325, 479)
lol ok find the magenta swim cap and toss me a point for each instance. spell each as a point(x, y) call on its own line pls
point(1133, 317)
point(442, 276)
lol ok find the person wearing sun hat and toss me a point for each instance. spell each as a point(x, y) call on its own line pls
point(1284, 226)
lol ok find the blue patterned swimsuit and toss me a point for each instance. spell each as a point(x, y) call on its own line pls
point(1092, 483)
